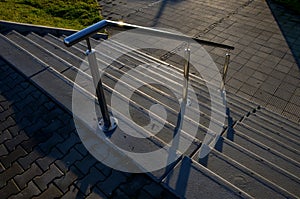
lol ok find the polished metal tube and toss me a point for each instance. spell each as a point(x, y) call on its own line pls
point(186, 71)
point(99, 88)
point(225, 69)
point(93, 29)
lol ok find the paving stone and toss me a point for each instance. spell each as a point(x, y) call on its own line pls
point(35, 140)
point(46, 161)
point(10, 189)
point(269, 88)
point(243, 94)
point(9, 122)
point(51, 192)
point(6, 113)
point(86, 164)
point(134, 184)
point(154, 189)
point(5, 135)
point(22, 179)
point(120, 194)
point(292, 108)
point(277, 102)
point(248, 89)
point(277, 74)
point(9, 173)
point(73, 193)
point(112, 182)
point(291, 116)
point(51, 142)
point(53, 118)
point(14, 142)
point(70, 142)
point(96, 194)
point(235, 83)
point(260, 76)
point(35, 130)
point(105, 170)
point(69, 177)
point(144, 195)
point(3, 150)
point(89, 181)
point(254, 82)
point(288, 87)
point(283, 94)
point(43, 180)
point(26, 161)
point(68, 160)
point(30, 191)
point(81, 149)
point(13, 156)
point(273, 81)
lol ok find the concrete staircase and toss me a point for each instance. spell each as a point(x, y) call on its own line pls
point(258, 154)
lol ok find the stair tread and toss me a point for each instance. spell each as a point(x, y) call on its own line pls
point(38, 51)
point(284, 148)
point(55, 49)
point(259, 165)
point(270, 154)
point(191, 180)
point(283, 135)
point(241, 176)
point(279, 120)
point(19, 57)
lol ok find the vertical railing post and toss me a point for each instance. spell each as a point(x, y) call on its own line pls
point(186, 71)
point(107, 123)
point(225, 69)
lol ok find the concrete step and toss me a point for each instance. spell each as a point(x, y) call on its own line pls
point(259, 165)
point(24, 61)
point(192, 180)
point(279, 122)
point(270, 129)
point(38, 51)
point(242, 176)
point(269, 141)
point(269, 153)
point(56, 48)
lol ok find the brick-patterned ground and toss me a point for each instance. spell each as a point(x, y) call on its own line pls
point(42, 156)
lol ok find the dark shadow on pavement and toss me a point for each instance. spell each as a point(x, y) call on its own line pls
point(161, 9)
point(289, 24)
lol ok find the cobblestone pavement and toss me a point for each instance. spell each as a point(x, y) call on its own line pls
point(265, 35)
point(42, 156)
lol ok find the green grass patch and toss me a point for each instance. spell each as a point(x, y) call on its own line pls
point(74, 14)
point(290, 4)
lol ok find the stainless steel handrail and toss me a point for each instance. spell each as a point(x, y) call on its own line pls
point(108, 123)
point(93, 29)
